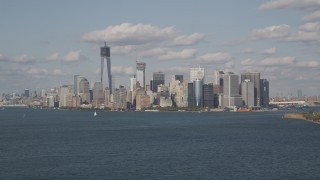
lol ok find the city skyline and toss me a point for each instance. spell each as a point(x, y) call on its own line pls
point(42, 49)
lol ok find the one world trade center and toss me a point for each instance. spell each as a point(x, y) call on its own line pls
point(105, 56)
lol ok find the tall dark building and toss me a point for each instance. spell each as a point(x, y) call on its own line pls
point(264, 88)
point(105, 56)
point(158, 78)
point(208, 95)
point(190, 95)
point(255, 78)
point(26, 93)
point(179, 77)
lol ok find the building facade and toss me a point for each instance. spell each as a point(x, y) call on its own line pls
point(140, 74)
point(264, 89)
point(105, 56)
point(255, 78)
point(247, 93)
point(158, 78)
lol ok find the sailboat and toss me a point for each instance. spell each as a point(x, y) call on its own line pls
point(95, 113)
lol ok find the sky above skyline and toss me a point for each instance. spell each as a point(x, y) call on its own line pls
point(45, 43)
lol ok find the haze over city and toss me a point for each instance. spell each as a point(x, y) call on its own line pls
point(45, 43)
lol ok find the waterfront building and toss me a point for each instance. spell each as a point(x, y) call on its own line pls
point(26, 93)
point(133, 82)
point(178, 92)
point(142, 100)
point(218, 78)
point(264, 89)
point(105, 56)
point(190, 95)
point(107, 98)
point(231, 96)
point(120, 98)
point(76, 84)
point(198, 92)
point(158, 78)
point(255, 78)
point(196, 73)
point(179, 78)
point(50, 101)
point(98, 95)
point(299, 94)
point(65, 96)
point(84, 88)
point(165, 102)
point(208, 95)
point(140, 74)
point(247, 93)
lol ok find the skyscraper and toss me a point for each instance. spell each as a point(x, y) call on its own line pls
point(247, 92)
point(105, 56)
point(190, 95)
point(158, 78)
point(133, 83)
point(26, 93)
point(83, 90)
point(98, 96)
point(197, 79)
point(218, 78)
point(264, 88)
point(179, 78)
point(208, 95)
point(77, 79)
point(198, 92)
point(255, 78)
point(231, 90)
point(141, 75)
point(196, 73)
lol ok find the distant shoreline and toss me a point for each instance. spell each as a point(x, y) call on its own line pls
point(299, 116)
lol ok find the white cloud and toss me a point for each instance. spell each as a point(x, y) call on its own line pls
point(3, 58)
point(130, 34)
point(291, 4)
point(43, 71)
point(176, 70)
point(304, 36)
point(248, 51)
point(248, 62)
point(57, 72)
point(54, 57)
point(271, 32)
point(120, 71)
point(175, 55)
point(229, 65)
point(300, 78)
point(269, 51)
point(122, 50)
point(278, 61)
point(37, 71)
point(189, 39)
point(310, 27)
point(308, 64)
point(219, 57)
point(74, 56)
point(153, 52)
point(314, 16)
point(24, 59)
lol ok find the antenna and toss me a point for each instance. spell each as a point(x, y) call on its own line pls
point(105, 44)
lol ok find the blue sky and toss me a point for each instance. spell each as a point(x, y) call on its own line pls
point(44, 43)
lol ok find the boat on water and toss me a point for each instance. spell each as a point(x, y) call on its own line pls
point(244, 110)
point(95, 113)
